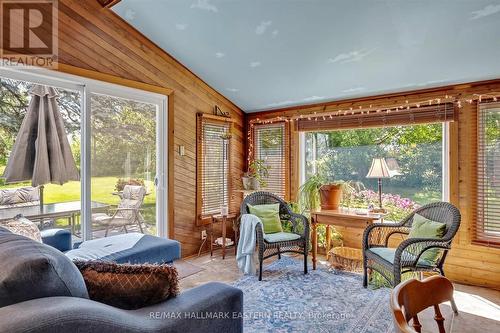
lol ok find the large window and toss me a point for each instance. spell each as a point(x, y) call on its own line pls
point(117, 137)
point(414, 153)
point(487, 219)
point(270, 144)
point(214, 135)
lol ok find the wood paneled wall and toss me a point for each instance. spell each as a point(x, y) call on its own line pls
point(467, 263)
point(96, 40)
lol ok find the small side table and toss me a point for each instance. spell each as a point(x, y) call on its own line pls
point(223, 219)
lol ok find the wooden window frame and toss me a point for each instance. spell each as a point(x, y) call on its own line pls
point(286, 149)
point(435, 113)
point(476, 236)
point(203, 118)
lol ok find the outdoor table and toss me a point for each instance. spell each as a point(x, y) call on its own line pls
point(49, 211)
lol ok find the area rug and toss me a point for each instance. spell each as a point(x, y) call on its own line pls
point(185, 269)
point(321, 301)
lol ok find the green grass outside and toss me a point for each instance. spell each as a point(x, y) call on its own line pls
point(101, 189)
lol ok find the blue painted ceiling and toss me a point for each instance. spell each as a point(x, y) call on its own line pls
point(267, 54)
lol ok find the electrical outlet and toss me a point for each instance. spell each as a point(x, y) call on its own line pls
point(203, 234)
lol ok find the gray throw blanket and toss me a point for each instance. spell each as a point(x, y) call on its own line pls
point(246, 243)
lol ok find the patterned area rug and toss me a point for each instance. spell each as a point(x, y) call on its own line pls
point(185, 269)
point(286, 300)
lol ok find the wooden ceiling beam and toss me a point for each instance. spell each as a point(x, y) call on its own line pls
point(108, 3)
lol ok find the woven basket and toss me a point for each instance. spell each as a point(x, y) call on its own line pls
point(346, 258)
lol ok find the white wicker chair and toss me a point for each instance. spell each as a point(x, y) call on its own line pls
point(127, 212)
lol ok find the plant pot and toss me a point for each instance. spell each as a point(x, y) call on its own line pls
point(250, 183)
point(330, 196)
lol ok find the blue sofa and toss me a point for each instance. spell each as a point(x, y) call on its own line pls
point(132, 248)
point(42, 291)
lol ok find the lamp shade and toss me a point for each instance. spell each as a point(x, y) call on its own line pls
point(379, 169)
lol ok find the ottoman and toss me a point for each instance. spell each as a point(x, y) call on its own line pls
point(134, 248)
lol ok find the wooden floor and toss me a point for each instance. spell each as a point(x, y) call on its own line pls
point(479, 308)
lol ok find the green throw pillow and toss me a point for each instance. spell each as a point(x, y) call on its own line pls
point(269, 215)
point(425, 228)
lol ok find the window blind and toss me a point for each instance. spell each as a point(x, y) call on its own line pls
point(413, 115)
point(486, 228)
point(215, 166)
point(270, 144)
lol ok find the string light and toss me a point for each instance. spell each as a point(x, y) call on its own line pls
point(361, 110)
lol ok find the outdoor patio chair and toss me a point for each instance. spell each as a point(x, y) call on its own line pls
point(19, 197)
point(271, 244)
point(391, 263)
point(127, 213)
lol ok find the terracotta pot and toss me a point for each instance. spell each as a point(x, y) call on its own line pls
point(330, 196)
point(250, 183)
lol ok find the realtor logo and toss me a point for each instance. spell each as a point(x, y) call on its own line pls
point(29, 32)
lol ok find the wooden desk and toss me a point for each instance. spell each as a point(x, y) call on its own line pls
point(350, 225)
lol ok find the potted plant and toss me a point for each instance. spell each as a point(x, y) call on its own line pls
point(320, 190)
point(255, 177)
point(121, 182)
point(309, 198)
point(330, 195)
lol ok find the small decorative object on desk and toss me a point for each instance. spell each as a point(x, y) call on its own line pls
point(224, 210)
point(360, 211)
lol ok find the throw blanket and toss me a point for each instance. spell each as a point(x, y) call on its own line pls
point(246, 243)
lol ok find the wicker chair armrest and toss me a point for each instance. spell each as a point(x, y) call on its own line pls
point(300, 225)
point(260, 238)
point(378, 234)
point(409, 251)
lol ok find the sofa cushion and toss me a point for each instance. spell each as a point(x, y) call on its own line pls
point(22, 226)
point(422, 227)
point(58, 238)
point(134, 248)
point(269, 214)
point(19, 197)
point(388, 254)
point(281, 237)
point(33, 270)
point(128, 286)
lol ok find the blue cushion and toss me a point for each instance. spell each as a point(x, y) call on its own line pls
point(134, 248)
point(388, 253)
point(280, 237)
point(58, 238)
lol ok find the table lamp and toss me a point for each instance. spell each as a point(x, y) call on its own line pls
point(379, 170)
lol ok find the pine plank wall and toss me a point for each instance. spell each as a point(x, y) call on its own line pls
point(95, 39)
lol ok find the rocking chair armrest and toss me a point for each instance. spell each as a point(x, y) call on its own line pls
point(409, 251)
point(378, 233)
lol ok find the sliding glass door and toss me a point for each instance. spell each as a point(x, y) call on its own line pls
point(118, 141)
point(124, 142)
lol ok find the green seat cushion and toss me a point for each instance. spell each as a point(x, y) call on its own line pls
point(280, 237)
point(269, 215)
point(388, 253)
point(424, 228)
